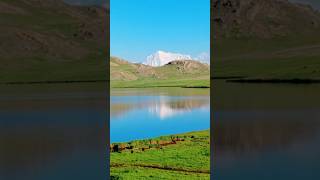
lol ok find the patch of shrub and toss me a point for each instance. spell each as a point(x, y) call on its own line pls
point(115, 177)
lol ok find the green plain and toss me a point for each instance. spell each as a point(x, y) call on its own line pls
point(280, 58)
point(188, 159)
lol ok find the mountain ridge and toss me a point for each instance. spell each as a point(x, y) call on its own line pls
point(161, 58)
point(174, 73)
point(262, 19)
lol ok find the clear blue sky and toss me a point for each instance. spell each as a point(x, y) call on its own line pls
point(140, 27)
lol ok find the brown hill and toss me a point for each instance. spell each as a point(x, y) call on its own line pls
point(51, 36)
point(125, 71)
point(265, 39)
point(262, 18)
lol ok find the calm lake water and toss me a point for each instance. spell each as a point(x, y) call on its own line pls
point(146, 113)
point(53, 131)
point(266, 131)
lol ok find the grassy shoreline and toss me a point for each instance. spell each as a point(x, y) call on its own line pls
point(134, 87)
point(185, 156)
point(184, 83)
point(273, 80)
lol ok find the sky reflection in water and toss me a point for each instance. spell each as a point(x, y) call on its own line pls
point(266, 131)
point(139, 116)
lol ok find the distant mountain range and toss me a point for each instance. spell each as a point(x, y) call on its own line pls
point(161, 58)
point(175, 73)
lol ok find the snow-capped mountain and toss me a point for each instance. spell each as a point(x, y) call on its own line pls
point(161, 58)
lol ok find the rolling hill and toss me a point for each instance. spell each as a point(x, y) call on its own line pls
point(161, 58)
point(49, 40)
point(179, 73)
point(262, 19)
point(265, 39)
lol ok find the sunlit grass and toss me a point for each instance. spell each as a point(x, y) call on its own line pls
point(187, 159)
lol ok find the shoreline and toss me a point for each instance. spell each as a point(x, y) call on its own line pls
point(132, 87)
point(276, 81)
point(51, 82)
point(167, 139)
point(180, 83)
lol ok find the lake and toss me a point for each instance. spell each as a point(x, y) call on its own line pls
point(151, 112)
point(266, 131)
point(53, 131)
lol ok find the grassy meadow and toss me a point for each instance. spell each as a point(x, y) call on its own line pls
point(149, 83)
point(277, 58)
point(181, 156)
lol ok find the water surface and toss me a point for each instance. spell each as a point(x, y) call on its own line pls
point(53, 131)
point(146, 113)
point(266, 131)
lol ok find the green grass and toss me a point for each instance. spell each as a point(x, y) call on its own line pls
point(268, 59)
point(282, 68)
point(42, 69)
point(143, 173)
point(183, 160)
point(161, 83)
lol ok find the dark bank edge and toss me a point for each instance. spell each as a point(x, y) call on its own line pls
point(276, 81)
point(52, 82)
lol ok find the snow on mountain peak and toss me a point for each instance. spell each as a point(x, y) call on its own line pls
point(161, 58)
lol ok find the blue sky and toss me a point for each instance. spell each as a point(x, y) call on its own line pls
point(139, 28)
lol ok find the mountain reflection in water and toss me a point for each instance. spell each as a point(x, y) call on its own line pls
point(162, 106)
point(52, 131)
point(266, 131)
point(146, 113)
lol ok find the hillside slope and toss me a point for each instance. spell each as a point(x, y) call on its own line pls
point(48, 40)
point(265, 39)
point(176, 73)
point(262, 19)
